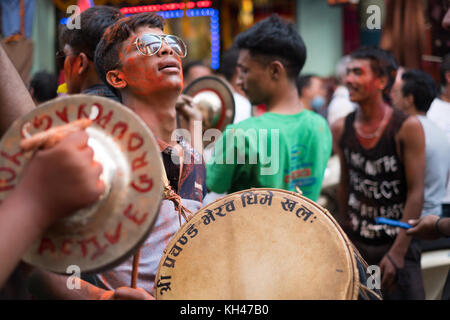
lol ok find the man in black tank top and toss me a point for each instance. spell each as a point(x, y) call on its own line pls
point(382, 154)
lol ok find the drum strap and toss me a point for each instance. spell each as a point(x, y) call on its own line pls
point(364, 289)
point(367, 292)
point(171, 195)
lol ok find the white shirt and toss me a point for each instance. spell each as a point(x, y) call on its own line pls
point(340, 105)
point(437, 166)
point(243, 108)
point(439, 113)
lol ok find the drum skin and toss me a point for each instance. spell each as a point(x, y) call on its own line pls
point(259, 244)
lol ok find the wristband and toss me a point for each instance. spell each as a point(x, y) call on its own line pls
point(392, 261)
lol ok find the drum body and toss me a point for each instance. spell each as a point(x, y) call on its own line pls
point(259, 244)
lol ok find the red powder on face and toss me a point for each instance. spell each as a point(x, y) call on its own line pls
point(141, 72)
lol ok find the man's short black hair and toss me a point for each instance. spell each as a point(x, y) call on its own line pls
point(382, 63)
point(445, 67)
point(93, 22)
point(304, 81)
point(44, 85)
point(228, 63)
point(107, 52)
point(276, 39)
point(421, 86)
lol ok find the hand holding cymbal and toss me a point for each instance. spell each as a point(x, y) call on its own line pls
point(49, 138)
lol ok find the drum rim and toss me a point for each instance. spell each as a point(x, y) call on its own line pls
point(352, 290)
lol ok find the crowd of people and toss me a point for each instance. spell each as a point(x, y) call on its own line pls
point(389, 126)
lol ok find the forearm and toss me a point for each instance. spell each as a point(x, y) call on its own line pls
point(18, 230)
point(15, 99)
point(412, 210)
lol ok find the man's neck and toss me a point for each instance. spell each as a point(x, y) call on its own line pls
point(92, 78)
point(157, 111)
point(305, 104)
point(415, 112)
point(285, 101)
point(371, 110)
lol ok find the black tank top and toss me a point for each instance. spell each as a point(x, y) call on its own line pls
point(377, 184)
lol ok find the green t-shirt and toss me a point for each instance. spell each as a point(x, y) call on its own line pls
point(273, 151)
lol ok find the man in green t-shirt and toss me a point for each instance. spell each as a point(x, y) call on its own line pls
point(288, 146)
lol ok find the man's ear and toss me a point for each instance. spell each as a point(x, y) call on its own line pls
point(383, 82)
point(116, 79)
point(410, 100)
point(83, 63)
point(276, 69)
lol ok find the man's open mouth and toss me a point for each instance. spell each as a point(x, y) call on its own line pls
point(169, 65)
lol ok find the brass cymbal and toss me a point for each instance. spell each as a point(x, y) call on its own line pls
point(213, 96)
point(105, 234)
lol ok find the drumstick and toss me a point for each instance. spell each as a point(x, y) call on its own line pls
point(134, 273)
point(49, 138)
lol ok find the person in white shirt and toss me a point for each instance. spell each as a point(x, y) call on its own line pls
point(415, 91)
point(340, 104)
point(439, 113)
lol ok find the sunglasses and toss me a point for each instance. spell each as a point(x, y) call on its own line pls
point(149, 44)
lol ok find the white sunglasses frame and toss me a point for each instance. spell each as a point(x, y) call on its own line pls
point(161, 38)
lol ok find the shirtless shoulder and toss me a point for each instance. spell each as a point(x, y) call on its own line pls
point(411, 134)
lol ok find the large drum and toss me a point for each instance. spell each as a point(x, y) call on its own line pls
point(261, 244)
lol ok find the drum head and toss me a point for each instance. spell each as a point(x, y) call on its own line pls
point(259, 244)
point(103, 235)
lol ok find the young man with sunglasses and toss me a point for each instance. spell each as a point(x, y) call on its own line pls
point(144, 64)
point(136, 58)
